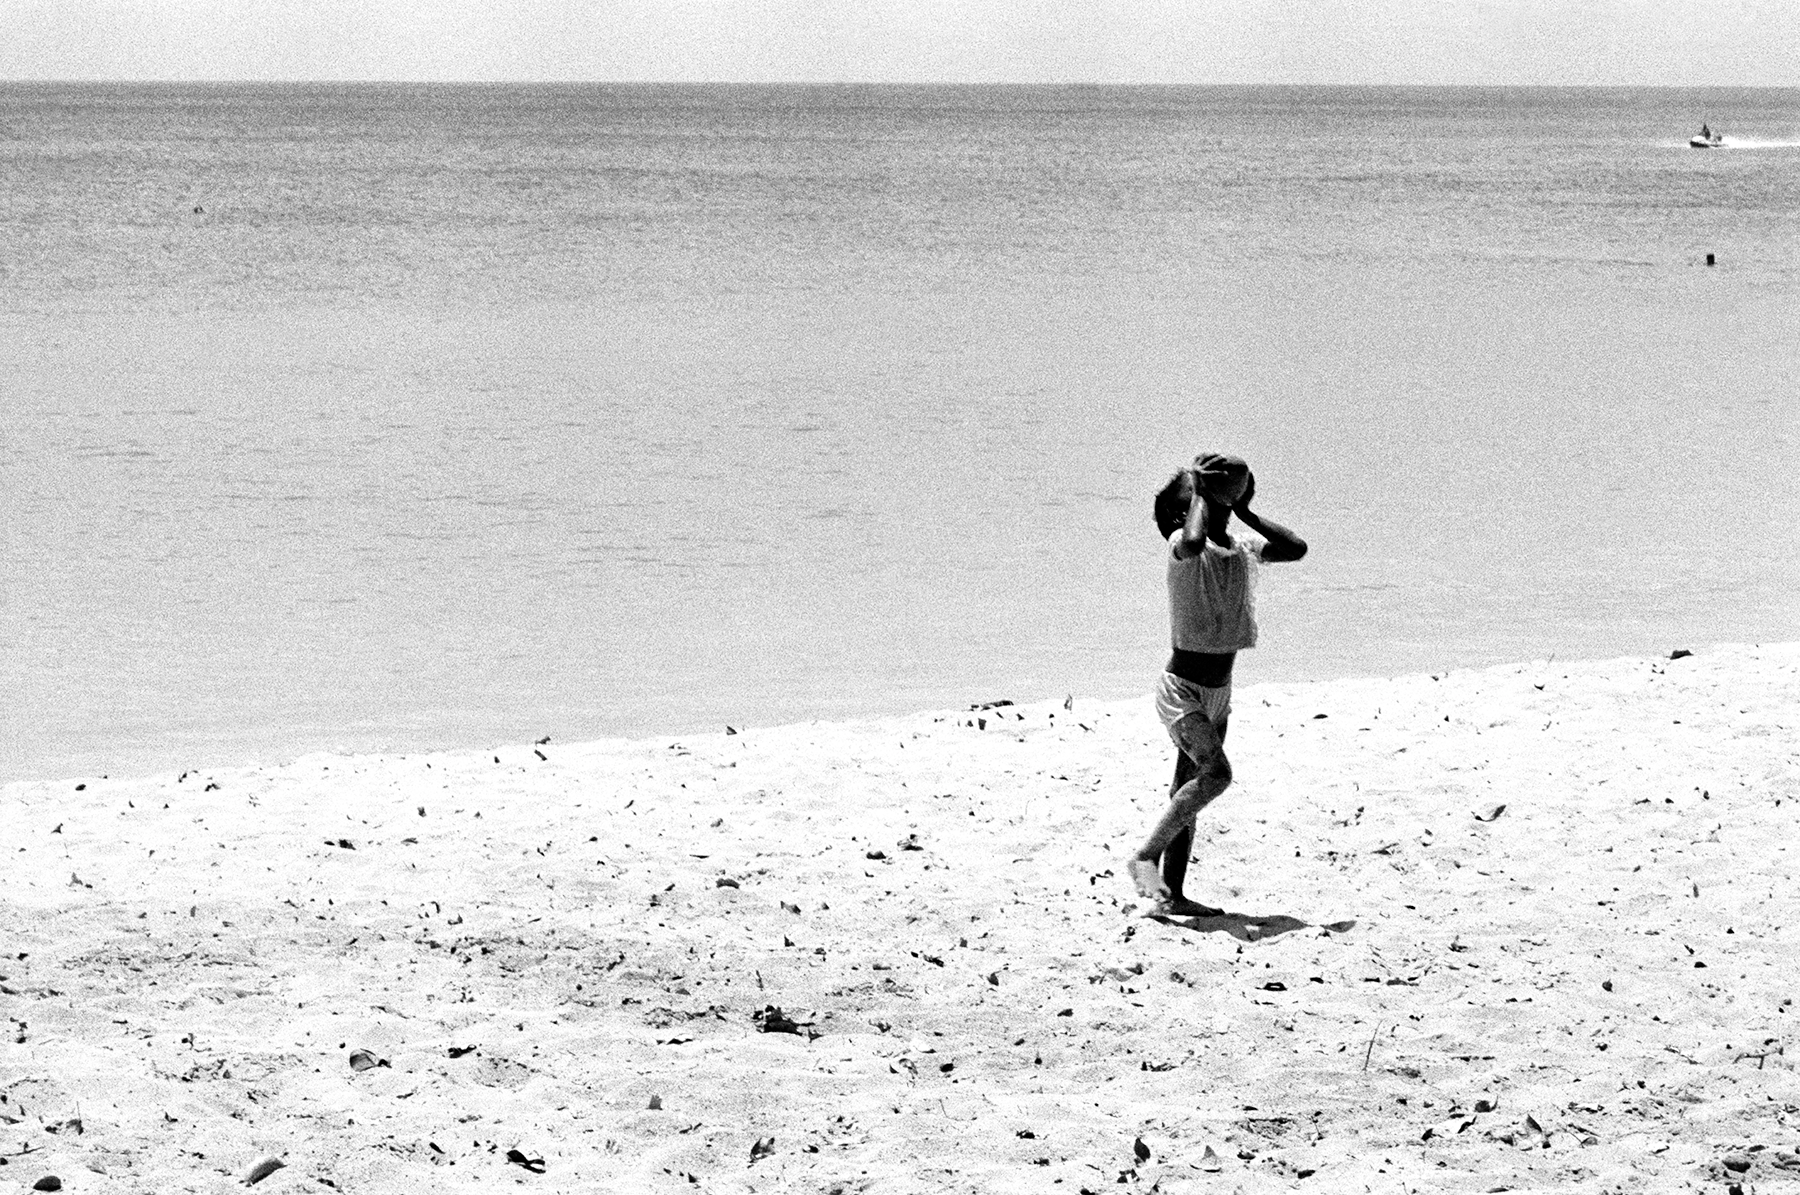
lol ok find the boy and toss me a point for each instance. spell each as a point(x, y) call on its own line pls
point(1211, 618)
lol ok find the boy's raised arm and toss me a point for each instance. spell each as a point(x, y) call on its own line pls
point(1281, 545)
point(1193, 532)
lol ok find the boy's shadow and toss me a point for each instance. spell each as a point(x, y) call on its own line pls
point(1248, 927)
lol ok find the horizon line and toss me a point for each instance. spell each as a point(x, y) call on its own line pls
point(874, 83)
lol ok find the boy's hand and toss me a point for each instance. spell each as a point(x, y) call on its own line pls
point(1242, 506)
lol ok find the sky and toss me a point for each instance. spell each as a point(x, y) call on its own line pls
point(1558, 42)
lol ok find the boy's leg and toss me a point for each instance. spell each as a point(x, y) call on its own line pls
point(1180, 850)
point(1175, 856)
point(1203, 743)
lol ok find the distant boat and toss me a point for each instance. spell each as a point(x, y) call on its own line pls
point(1706, 139)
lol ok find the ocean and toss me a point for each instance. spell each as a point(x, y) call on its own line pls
point(387, 418)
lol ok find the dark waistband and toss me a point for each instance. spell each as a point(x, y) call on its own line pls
point(1211, 669)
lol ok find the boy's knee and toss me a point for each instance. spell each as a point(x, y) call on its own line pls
point(1218, 773)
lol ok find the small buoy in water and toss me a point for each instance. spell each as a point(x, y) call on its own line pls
point(1709, 259)
point(198, 210)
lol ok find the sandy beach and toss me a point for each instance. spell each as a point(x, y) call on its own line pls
point(1519, 928)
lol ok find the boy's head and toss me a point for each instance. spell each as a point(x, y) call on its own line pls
point(1213, 474)
point(1172, 502)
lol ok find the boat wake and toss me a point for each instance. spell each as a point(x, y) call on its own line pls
point(1760, 143)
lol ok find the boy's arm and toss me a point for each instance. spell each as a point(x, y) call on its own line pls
point(1193, 532)
point(1281, 545)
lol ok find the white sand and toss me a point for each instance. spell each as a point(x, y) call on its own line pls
point(187, 964)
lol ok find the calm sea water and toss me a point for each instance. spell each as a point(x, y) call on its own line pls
point(364, 417)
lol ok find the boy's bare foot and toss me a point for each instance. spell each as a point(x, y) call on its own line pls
point(1181, 906)
point(1148, 878)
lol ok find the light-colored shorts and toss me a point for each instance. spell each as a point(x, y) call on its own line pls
point(1177, 698)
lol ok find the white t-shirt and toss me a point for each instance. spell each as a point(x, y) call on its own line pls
point(1212, 604)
